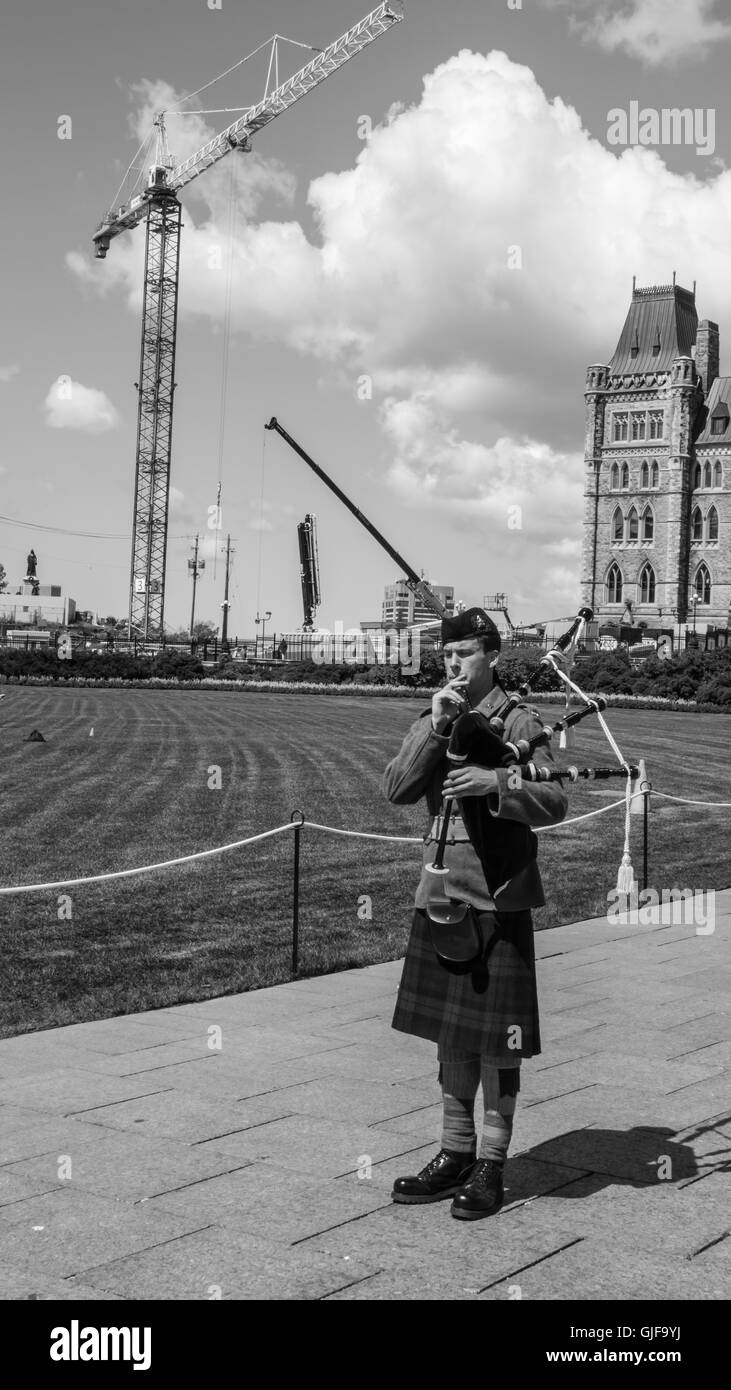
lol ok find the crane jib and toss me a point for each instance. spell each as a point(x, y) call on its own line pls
point(378, 22)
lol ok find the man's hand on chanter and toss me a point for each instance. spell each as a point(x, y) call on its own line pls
point(471, 781)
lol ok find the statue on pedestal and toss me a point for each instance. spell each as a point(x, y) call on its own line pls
point(31, 577)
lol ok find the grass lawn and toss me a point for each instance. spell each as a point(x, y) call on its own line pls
point(137, 792)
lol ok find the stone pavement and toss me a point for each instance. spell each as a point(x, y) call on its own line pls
point(245, 1148)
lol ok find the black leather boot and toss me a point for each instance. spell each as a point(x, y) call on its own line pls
point(482, 1193)
point(442, 1176)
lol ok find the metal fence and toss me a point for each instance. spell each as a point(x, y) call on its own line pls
point(392, 648)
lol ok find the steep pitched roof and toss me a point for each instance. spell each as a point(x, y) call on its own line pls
point(718, 404)
point(661, 324)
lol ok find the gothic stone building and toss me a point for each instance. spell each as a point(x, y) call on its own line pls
point(657, 520)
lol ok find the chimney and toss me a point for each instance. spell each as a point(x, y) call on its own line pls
point(706, 353)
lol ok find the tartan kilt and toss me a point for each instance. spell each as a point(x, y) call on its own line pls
point(473, 1012)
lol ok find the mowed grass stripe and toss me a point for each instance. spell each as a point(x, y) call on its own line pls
point(137, 792)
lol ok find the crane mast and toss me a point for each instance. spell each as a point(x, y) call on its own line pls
point(158, 206)
point(309, 570)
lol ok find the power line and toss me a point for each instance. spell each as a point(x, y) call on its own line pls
point(87, 535)
point(63, 531)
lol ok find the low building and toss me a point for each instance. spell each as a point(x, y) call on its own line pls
point(402, 607)
point(29, 605)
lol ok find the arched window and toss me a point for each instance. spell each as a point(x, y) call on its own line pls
point(614, 585)
point(633, 524)
point(648, 524)
point(655, 474)
point(696, 476)
point(645, 474)
point(707, 475)
point(618, 525)
point(614, 478)
point(625, 476)
point(696, 525)
point(647, 585)
point(702, 584)
point(712, 532)
point(717, 474)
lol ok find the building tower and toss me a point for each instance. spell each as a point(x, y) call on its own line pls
point(657, 515)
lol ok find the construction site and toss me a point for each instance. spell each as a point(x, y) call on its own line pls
point(225, 837)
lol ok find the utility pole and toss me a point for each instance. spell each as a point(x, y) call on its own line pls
point(263, 620)
point(226, 605)
point(195, 566)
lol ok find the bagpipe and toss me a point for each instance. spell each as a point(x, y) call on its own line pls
point(505, 847)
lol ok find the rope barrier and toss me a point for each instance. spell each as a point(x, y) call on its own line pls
point(266, 835)
point(667, 796)
point(366, 834)
point(146, 868)
point(600, 811)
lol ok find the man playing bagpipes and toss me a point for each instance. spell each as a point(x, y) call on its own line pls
point(469, 980)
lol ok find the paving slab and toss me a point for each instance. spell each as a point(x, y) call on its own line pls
point(66, 1232)
point(173, 1113)
point(589, 1270)
point(66, 1092)
point(630, 1217)
point(57, 1136)
point(139, 1161)
point(252, 1186)
point(429, 1239)
point(226, 1264)
point(404, 1286)
point(18, 1282)
point(311, 1144)
point(130, 1166)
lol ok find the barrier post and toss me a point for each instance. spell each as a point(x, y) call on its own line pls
point(645, 803)
point(296, 892)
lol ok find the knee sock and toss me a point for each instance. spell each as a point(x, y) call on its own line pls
point(458, 1125)
point(500, 1088)
point(460, 1078)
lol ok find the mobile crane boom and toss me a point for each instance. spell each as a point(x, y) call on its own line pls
point(414, 580)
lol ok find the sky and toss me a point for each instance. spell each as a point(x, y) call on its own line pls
point(412, 271)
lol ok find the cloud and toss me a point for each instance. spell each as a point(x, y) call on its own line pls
point(476, 257)
point(654, 31)
point(409, 275)
point(518, 497)
point(7, 373)
point(71, 406)
point(180, 513)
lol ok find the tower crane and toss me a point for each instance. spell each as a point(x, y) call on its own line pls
point(159, 207)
